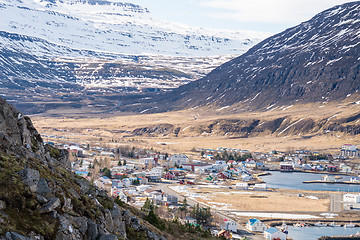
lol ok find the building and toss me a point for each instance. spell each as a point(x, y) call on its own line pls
point(255, 225)
point(274, 233)
point(260, 187)
point(349, 150)
point(242, 186)
point(351, 198)
point(287, 167)
point(179, 159)
point(229, 225)
point(345, 168)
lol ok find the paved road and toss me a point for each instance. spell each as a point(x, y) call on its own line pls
point(335, 202)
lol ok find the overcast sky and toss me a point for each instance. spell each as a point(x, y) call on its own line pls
point(259, 15)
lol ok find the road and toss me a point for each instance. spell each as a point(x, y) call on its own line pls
point(192, 202)
point(335, 202)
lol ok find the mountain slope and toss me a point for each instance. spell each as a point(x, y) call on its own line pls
point(117, 27)
point(316, 61)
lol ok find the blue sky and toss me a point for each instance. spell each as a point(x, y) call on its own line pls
point(259, 15)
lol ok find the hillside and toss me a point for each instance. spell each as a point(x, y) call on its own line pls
point(56, 48)
point(41, 199)
point(316, 61)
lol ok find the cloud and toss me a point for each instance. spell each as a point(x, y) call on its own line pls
point(267, 11)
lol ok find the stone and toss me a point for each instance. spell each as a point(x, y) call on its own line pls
point(84, 185)
point(43, 189)
point(2, 205)
point(92, 231)
point(108, 237)
point(41, 199)
point(109, 224)
point(30, 178)
point(68, 207)
point(51, 205)
point(15, 236)
point(66, 230)
point(74, 193)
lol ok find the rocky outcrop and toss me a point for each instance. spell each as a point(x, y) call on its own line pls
point(41, 199)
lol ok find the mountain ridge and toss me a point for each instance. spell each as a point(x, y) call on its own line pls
point(316, 61)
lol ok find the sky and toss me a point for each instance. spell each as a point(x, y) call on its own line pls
point(259, 15)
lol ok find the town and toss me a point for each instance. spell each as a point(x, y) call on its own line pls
point(225, 191)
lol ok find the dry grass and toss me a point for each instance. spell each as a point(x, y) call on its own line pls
point(285, 201)
point(92, 129)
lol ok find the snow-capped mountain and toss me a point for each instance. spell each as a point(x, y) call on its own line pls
point(316, 61)
point(52, 48)
point(118, 28)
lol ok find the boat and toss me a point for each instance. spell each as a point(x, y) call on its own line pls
point(319, 224)
point(349, 225)
point(334, 225)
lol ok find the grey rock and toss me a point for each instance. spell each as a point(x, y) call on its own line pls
point(67, 231)
point(81, 223)
point(2, 205)
point(67, 205)
point(54, 214)
point(15, 236)
point(51, 205)
point(43, 189)
point(92, 231)
point(108, 237)
point(109, 224)
point(84, 185)
point(118, 222)
point(74, 193)
point(30, 178)
point(41, 199)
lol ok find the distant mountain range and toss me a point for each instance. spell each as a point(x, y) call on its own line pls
point(103, 45)
point(316, 61)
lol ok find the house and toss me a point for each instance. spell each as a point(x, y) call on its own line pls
point(179, 159)
point(143, 180)
point(328, 178)
point(260, 187)
point(287, 167)
point(170, 176)
point(345, 169)
point(170, 199)
point(255, 225)
point(274, 233)
point(332, 168)
point(246, 177)
point(242, 186)
point(189, 220)
point(229, 225)
point(351, 198)
point(349, 150)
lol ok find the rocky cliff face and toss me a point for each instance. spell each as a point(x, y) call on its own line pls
point(41, 199)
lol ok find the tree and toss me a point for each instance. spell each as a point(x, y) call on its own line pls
point(119, 163)
point(106, 172)
point(136, 182)
point(202, 215)
point(124, 163)
point(183, 207)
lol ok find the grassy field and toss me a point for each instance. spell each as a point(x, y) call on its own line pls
point(114, 130)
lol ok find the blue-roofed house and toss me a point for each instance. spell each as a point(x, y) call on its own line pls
point(255, 225)
point(274, 233)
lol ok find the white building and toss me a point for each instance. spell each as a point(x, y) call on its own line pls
point(179, 159)
point(349, 150)
point(345, 168)
point(274, 233)
point(255, 225)
point(260, 187)
point(351, 198)
point(242, 186)
point(229, 225)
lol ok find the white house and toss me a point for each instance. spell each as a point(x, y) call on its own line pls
point(274, 233)
point(242, 186)
point(260, 187)
point(352, 198)
point(345, 168)
point(229, 225)
point(147, 161)
point(255, 225)
point(179, 159)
